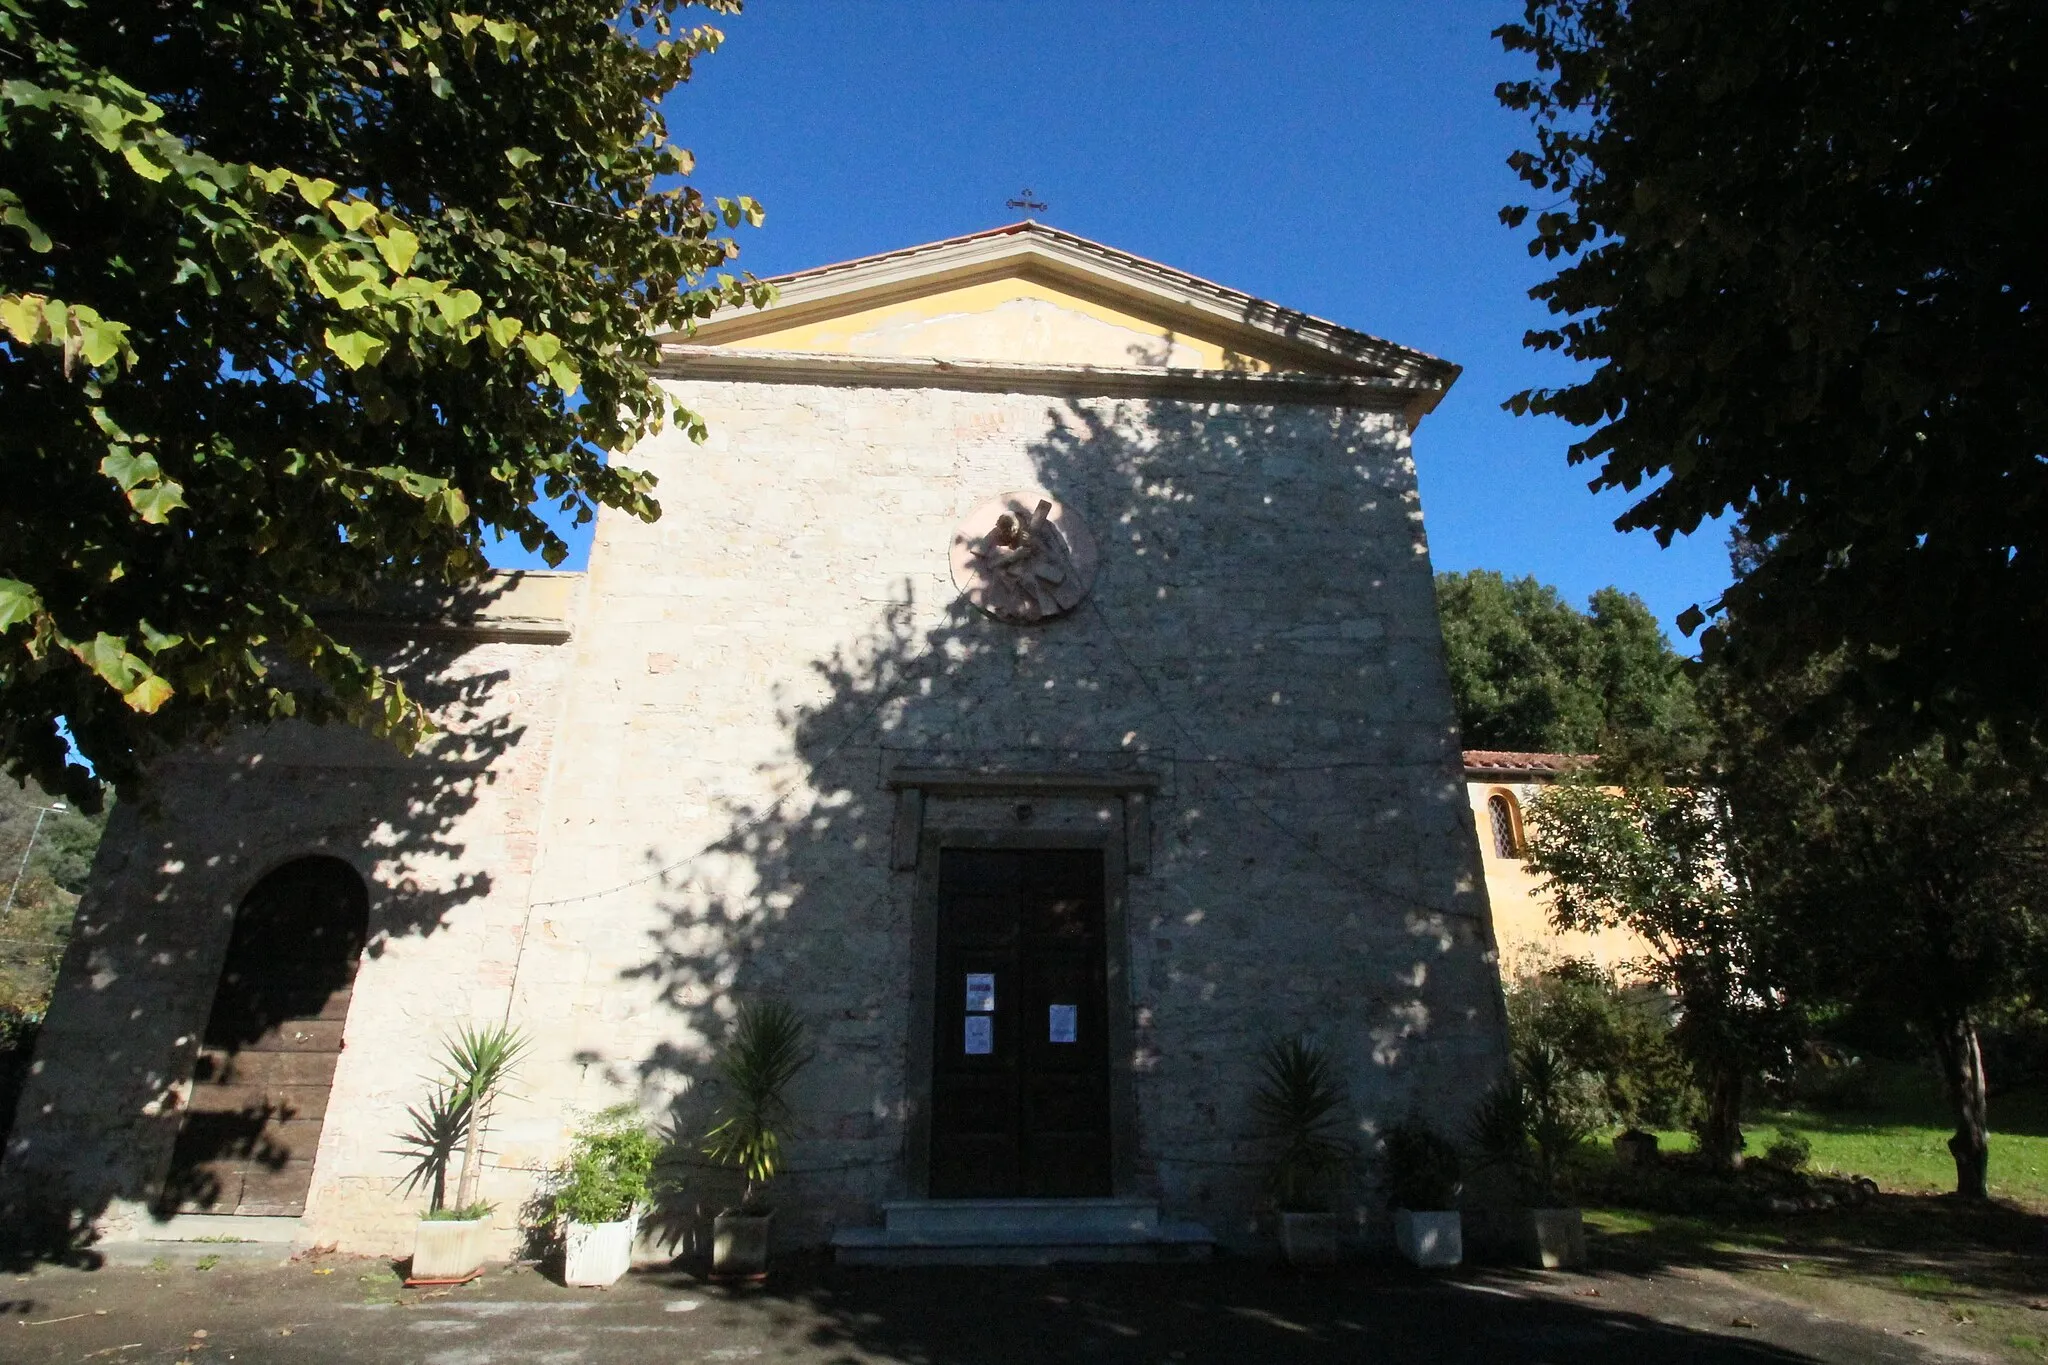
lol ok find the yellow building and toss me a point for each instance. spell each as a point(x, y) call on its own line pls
point(1500, 785)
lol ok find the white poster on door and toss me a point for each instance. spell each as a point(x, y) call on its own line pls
point(981, 1035)
point(981, 992)
point(1063, 1023)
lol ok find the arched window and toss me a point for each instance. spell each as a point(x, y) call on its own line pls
point(1507, 826)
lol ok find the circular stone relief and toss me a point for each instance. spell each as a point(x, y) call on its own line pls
point(1023, 557)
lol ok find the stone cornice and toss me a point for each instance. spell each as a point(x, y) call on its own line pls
point(1413, 398)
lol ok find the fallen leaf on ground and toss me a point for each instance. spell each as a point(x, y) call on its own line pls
point(1587, 1293)
point(1740, 1322)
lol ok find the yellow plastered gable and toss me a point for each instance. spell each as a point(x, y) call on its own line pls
point(1029, 297)
point(1016, 319)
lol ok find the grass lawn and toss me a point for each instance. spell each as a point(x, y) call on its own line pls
point(1973, 1278)
point(1970, 1279)
point(1901, 1139)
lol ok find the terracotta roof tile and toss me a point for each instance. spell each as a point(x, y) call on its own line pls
point(1478, 761)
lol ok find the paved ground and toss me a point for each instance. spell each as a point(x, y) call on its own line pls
point(1226, 1313)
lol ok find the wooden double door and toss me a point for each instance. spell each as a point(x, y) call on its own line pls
point(1020, 1066)
point(266, 1061)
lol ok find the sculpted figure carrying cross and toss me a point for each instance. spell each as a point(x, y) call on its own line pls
point(1023, 566)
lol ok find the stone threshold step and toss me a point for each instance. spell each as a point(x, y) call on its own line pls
point(1021, 1246)
point(990, 1215)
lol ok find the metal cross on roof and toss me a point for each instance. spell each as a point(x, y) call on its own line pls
point(1024, 200)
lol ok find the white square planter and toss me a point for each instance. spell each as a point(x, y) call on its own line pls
point(1554, 1239)
point(448, 1249)
point(1429, 1238)
point(598, 1253)
point(739, 1244)
point(1308, 1238)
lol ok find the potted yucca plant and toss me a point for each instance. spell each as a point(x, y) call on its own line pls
point(450, 1239)
point(1529, 1125)
point(1423, 1177)
point(1299, 1109)
point(597, 1193)
point(759, 1060)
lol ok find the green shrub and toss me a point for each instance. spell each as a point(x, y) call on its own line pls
point(1536, 1116)
point(1422, 1169)
point(461, 1215)
point(758, 1061)
point(1619, 1035)
point(1789, 1151)
point(608, 1170)
point(1299, 1108)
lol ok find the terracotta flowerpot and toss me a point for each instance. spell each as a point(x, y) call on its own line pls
point(1430, 1238)
point(1308, 1238)
point(1554, 1239)
point(598, 1253)
point(448, 1249)
point(739, 1244)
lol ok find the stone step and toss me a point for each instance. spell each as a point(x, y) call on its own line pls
point(1030, 1219)
point(1162, 1242)
point(224, 1228)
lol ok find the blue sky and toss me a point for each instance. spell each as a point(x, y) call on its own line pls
point(1344, 157)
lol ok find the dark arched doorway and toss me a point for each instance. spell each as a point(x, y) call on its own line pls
point(266, 1062)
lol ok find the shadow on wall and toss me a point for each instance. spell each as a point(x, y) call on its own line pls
point(1213, 646)
point(141, 997)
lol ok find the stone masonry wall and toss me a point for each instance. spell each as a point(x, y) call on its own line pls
point(445, 842)
point(710, 822)
point(1262, 631)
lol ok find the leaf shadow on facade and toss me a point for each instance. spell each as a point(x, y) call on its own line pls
point(121, 1046)
point(1312, 860)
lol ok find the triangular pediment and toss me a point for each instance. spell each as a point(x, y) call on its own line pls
point(1033, 295)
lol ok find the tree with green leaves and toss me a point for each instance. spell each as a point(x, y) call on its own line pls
point(1660, 862)
point(1917, 888)
point(1808, 295)
point(1531, 672)
point(301, 302)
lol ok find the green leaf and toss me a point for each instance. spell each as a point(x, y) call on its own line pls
point(504, 331)
point(128, 469)
point(147, 695)
point(156, 502)
point(109, 658)
point(14, 216)
point(352, 213)
point(18, 602)
point(22, 316)
point(398, 247)
point(314, 191)
point(543, 347)
point(356, 349)
point(99, 340)
point(458, 304)
point(146, 161)
point(520, 156)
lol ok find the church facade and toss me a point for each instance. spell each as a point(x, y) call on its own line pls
point(1034, 681)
